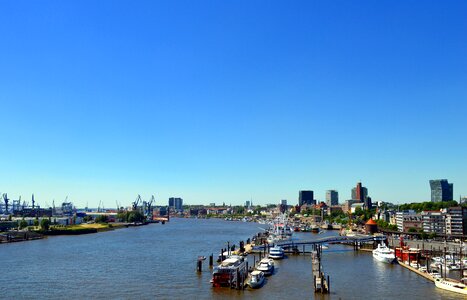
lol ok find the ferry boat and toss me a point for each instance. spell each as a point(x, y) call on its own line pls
point(256, 279)
point(451, 285)
point(266, 265)
point(276, 252)
point(384, 254)
point(226, 273)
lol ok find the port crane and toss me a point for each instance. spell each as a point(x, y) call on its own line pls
point(6, 200)
point(149, 207)
point(136, 202)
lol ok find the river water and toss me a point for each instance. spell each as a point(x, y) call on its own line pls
point(159, 262)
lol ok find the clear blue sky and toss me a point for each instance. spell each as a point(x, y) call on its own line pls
point(220, 101)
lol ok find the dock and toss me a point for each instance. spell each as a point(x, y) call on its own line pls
point(320, 281)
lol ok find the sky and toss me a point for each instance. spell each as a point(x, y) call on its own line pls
point(227, 101)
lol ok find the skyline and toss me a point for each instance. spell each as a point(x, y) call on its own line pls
point(223, 102)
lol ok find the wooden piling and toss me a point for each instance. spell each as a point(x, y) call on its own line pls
point(200, 264)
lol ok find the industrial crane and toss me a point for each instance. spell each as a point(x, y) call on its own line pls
point(137, 201)
point(149, 207)
point(5, 199)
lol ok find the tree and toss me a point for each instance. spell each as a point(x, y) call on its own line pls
point(36, 222)
point(45, 224)
point(135, 216)
point(102, 219)
point(23, 224)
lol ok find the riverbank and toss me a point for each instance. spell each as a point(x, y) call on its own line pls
point(57, 230)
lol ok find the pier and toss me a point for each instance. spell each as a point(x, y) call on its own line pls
point(320, 282)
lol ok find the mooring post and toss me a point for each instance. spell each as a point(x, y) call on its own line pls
point(200, 263)
point(211, 258)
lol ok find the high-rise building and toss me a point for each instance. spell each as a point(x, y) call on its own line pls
point(306, 197)
point(332, 198)
point(284, 202)
point(441, 190)
point(176, 203)
point(359, 192)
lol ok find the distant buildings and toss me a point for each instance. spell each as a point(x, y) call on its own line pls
point(441, 190)
point(360, 193)
point(332, 198)
point(176, 203)
point(284, 202)
point(450, 221)
point(408, 219)
point(306, 197)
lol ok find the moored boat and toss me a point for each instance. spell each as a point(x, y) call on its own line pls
point(266, 265)
point(451, 285)
point(384, 254)
point(256, 279)
point(226, 273)
point(276, 252)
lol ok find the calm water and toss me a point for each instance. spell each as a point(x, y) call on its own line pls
point(159, 261)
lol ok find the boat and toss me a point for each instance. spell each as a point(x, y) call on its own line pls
point(225, 274)
point(266, 265)
point(384, 254)
point(314, 228)
point(256, 279)
point(451, 285)
point(435, 274)
point(280, 230)
point(276, 252)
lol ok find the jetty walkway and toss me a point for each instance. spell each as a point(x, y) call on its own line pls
point(358, 238)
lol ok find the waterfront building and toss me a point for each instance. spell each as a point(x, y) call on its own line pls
point(456, 220)
point(306, 197)
point(441, 190)
point(408, 219)
point(434, 222)
point(332, 197)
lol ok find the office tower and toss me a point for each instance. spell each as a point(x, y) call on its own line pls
point(441, 190)
point(332, 198)
point(306, 197)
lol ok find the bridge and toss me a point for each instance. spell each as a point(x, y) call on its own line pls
point(358, 238)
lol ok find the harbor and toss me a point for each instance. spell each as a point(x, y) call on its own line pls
point(169, 264)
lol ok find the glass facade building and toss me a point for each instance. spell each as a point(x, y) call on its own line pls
point(441, 190)
point(332, 198)
point(306, 197)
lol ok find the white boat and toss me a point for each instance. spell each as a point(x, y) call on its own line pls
point(276, 252)
point(451, 285)
point(384, 254)
point(435, 274)
point(266, 265)
point(256, 279)
point(280, 230)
